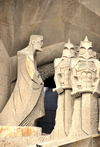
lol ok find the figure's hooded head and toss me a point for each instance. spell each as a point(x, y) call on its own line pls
point(68, 50)
point(85, 49)
point(36, 41)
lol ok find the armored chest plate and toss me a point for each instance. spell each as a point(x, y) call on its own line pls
point(86, 65)
point(65, 63)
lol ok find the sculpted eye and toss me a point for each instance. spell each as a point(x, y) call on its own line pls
point(72, 48)
point(90, 48)
point(82, 47)
point(65, 47)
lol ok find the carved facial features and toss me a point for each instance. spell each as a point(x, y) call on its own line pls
point(68, 50)
point(38, 43)
point(86, 49)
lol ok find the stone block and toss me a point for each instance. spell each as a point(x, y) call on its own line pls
point(17, 131)
point(16, 142)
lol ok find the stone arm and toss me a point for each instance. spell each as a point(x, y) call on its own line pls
point(57, 78)
point(30, 67)
point(74, 83)
point(32, 71)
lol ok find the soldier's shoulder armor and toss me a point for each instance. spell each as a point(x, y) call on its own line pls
point(74, 61)
point(57, 61)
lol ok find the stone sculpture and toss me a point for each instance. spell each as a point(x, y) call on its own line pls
point(85, 72)
point(77, 78)
point(26, 102)
point(63, 88)
point(13, 72)
point(85, 79)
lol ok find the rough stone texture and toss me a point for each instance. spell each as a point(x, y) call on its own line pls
point(89, 141)
point(4, 76)
point(8, 132)
point(46, 71)
point(90, 113)
point(56, 20)
point(59, 128)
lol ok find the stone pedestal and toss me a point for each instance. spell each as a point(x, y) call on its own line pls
point(89, 141)
point(31, 137)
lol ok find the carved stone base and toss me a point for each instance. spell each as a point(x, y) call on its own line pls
point(89, 141)
point(18, 131)
point(47, 141)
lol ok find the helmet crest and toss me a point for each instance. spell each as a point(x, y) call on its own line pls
point(85, 43)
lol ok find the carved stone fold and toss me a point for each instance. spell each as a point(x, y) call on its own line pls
point(26, 103)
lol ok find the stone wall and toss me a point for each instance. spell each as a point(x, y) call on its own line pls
point(56, 20)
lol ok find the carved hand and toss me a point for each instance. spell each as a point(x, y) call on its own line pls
point(58, 90)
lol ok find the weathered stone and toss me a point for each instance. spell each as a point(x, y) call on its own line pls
point(8, 132)
point(23, 108)
point(63, 88)
point(13, 71)
point(49, 53)
point(20, 19)
point(4, 76)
